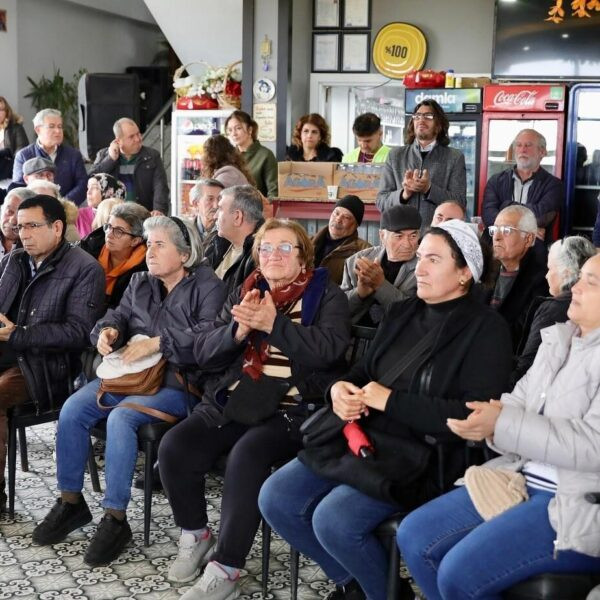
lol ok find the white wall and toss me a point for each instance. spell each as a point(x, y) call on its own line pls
point(208, 30)
point(8, 53)
point(131, 9)
point(68, 36)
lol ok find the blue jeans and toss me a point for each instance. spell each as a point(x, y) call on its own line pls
point(452, 553)
point(329, 522)
point(81, 412)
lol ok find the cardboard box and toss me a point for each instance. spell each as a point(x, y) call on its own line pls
point(474, 82)
point(305, 180)
point(359, 179)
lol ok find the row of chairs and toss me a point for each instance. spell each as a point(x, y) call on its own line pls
point(548, 586)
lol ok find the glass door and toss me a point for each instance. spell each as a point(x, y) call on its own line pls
point(587, 174)
point(463, 137)
point(502, 132)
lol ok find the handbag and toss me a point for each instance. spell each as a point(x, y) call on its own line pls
point(325, 425)
point(143, 383)
point(255, 400)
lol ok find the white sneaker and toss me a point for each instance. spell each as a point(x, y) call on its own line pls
point(192, 556)
point(213, 585)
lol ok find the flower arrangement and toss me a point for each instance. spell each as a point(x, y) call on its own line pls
point(217, 88)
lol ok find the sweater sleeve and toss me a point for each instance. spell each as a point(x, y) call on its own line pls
point(270, 171)
point(390, 188)
point(457, 184)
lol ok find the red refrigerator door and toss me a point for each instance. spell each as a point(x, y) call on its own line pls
point(500, 129)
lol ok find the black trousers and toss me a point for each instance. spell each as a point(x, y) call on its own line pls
point(187, 453)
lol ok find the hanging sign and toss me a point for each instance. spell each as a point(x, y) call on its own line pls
point(398, 49)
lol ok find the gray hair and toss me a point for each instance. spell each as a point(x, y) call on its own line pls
point(193, 250)
point(42, 114)
point(38, 184)
point(118, 126)
point(198, 188)
point(540, 138)
point(527, 220)
point(22, 193)
point(570, 253)
point(133, 214)
point(246, 199)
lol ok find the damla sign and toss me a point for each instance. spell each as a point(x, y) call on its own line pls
point(524, 98)
point(451, 100)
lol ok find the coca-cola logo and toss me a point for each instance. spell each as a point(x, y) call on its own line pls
point(522, 98)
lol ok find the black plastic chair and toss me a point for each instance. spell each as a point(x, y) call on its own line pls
point(25, 415)
point(149, 437)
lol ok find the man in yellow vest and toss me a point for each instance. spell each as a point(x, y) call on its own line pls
point(368, 132)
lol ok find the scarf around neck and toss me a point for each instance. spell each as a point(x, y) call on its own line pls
point(136, 257)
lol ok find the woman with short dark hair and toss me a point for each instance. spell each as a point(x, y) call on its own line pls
point(310, 141)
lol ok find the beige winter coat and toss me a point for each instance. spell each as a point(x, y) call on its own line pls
point(553, 416)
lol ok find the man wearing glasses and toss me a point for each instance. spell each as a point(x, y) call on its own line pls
point(525, 183)
point(50, 297)
point(425, 172)
point(521, 274)
point(70, 172)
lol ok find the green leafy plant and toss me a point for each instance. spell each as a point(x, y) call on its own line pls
point(61, 94)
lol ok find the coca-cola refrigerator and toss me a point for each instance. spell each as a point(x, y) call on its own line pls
point(582, 161)
point(463, 109)
point(509, 108)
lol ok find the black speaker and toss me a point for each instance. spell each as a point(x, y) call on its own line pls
point(156, 89)
point(103, 99)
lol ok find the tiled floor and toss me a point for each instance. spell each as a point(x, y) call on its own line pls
point(59, 573)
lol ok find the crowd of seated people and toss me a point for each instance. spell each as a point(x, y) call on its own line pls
point(489, 338)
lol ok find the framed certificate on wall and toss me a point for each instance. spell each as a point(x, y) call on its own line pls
point(356, 56)
point(357, 14)
point(326, 14)
point(326, 53)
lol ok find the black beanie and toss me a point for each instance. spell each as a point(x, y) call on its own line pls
point(354, 204)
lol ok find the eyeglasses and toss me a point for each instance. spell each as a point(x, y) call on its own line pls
point(52, 126)
point(28, 226)
point(504, 230)
point(118, 232)
point(423, 116)
point(285, 249)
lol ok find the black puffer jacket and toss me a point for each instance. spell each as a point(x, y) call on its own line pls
point(470, 360)
point(93, 244)
point(56, 309)
point(185, 315)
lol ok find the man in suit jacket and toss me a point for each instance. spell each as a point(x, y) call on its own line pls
point(376, 277)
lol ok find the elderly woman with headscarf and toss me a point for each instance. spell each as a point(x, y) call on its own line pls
point(100, 187)
point(162, 314)
point(430, 354)
point(525, 512)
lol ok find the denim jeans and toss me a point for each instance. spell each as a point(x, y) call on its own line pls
point(331, 523)
point(452, 553)
point(81, 412)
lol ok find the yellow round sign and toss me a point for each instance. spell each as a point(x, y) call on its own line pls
point(398, 49)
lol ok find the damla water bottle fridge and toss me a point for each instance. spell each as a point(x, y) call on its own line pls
point(582, 161)
point(463, 109)
point(509, 108)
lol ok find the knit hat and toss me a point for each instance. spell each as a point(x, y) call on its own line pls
point(109, 186)
point(354, 204)
point(493, 491)
point(37, 165)
point(112, 365)
point(468, 243)
point(400, 217)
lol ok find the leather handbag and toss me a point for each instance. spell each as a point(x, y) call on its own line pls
point(143, 383)
point(255, 400)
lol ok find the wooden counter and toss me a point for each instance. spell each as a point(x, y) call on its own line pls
point(310, 209)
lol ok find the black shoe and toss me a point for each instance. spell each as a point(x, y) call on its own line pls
point(336, 594)
point(108, 542)
point(60, 521)
point(156, 482)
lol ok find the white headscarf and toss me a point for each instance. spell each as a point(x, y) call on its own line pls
point(468, 242)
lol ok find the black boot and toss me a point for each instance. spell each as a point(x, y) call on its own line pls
point(350, 591)
point(3, 498)
point(108, 542)
point(156, 482)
